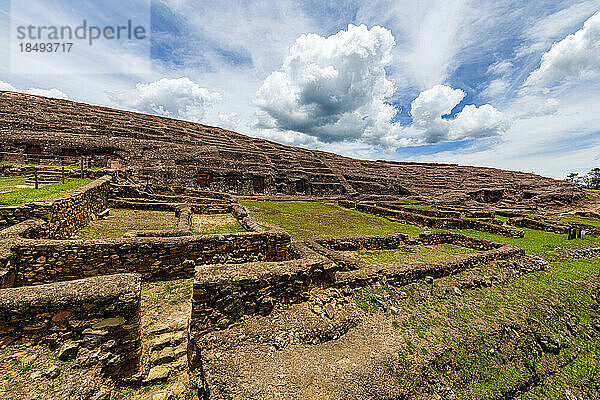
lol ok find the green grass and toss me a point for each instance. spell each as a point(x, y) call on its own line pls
point(311, 219)
point(462, 342)
point(423, 206)
point(27, 195)
point(9, 183)
point(174, 292)
point(206, 224)
point(123, 220)
point(536, 242)
point(583, 220)
point(222, 229)
point(409, 254)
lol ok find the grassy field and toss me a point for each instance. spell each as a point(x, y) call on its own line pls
point(215, 223)
point(122, 220)
point(311, 219)
point(536, 242)
point(27, 195)
point(483, 344)
point(584, 220)
point(10, 183)
point(408, 254)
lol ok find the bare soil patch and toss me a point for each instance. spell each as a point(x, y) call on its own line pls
point(215, 223)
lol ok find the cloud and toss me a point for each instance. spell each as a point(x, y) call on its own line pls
point(333, 88)
point(540, 35)
point(501, 67)
point(554, 143)
point(48, 93)
point(575, 57)
point(175, 98)
point(471, 123)
point(529, 106)
point(36, 91)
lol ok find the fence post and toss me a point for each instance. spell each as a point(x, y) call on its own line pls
point(62, 174)
point(82, 168)
point(35, 177)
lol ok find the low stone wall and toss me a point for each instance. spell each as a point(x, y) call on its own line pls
point(553, 225)
point(7, 268)
point(587, 213)
point(11, 215)
point(184, 225)
point(434, 222)
point(97, 313)
point(370, 242)
point(223, 293)
point(28, 228)
point(459, 239)
point(584, 253)
point(355, 272)
point(421, 211)
point(470, 213)
point(155, 258)
point(248, 222)
point(153, 205)
point(508, 212)
point(539, 224)
point(67, 214)
point(164, 192)
point(367, 274)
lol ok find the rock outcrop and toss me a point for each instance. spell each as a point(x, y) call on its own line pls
point(189, 154)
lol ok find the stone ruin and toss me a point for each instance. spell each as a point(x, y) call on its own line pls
point(167, 151)
point(255, 285)
point(86, 293)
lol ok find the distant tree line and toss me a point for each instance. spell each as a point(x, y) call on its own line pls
point(591, 180)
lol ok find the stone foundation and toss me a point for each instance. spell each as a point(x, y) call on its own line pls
point(420, 219)
point(155, 258)
point(101, 313)
point(358, 273)
point(223, 293)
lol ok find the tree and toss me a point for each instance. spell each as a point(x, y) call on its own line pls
point(594, 178)
point(572, 177)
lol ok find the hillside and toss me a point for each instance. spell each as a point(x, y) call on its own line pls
point(185, 153)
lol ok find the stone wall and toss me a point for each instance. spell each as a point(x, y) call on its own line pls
point(371, 242)
point(11, 215)
point(246, 220)
point(155, 258)
point(97, 313)
point(433, 222)
point(67, 214)
point(353, 272)
point(223, 293)
point(421, 211)
point(147, 204)
point(553, 225)
point(167, 193)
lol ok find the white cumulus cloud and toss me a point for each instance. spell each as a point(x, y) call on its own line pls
point(334, 88)
point(470, 123)
point(575, 57)
point(48, 93)
point(36, 91)
point(175, 98)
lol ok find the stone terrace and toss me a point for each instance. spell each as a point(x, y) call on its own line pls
point(189, 154)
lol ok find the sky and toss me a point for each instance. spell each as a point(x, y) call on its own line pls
point(499, 83)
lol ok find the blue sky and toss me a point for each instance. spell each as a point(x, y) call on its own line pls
point(508, 84)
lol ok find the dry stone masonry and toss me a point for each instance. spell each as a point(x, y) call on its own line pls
point(100, 314)
point(180, 153)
